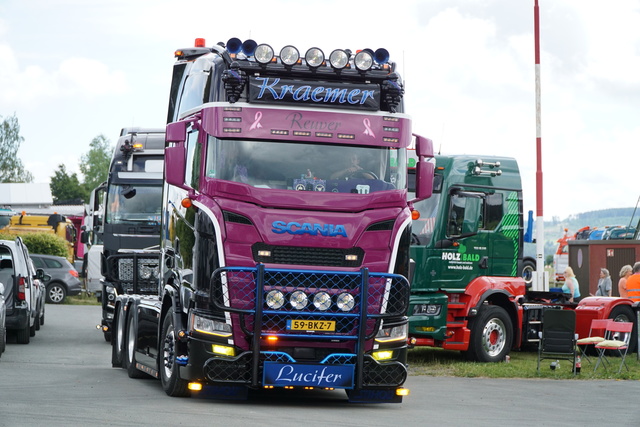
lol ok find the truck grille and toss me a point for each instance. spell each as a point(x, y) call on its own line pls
point(135, 273)
point(296, 255)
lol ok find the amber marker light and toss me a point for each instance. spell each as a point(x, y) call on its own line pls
point(186, 203)
point(194, 386)
point(272, 339)
point(415, 214)
point(402, 392)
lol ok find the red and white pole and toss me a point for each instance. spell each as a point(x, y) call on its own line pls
point(540, 283)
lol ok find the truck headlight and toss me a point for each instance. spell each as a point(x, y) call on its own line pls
point(427, 309)
point(209, 326)
point(394, 333)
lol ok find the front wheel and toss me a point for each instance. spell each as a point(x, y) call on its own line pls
point(172, 384)
point(117, 344)
point(491, 335)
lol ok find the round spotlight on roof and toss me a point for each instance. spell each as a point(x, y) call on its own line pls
point(363, 60)
point(234, 45)
point(381, 56)
point(249, 47)
point(289, 55)
point(264, 53)
point(339, 59)
point(314, 57)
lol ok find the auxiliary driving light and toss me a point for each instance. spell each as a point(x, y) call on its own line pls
point(298, 300)
point(274, 299)
point(264, 54)
point(339, 59)
point(223, 350)
point(363, 60)
point(322, 301)
point(314, 57)
point(289, 55)
point(345, 301)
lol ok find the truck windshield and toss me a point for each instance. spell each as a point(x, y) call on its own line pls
point(307, 166)
point(133, 203)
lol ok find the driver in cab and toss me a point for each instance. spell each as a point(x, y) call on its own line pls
point(353, 170)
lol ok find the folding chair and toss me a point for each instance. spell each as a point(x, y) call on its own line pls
point(558, 336)
point(597, 334)
point(619, 347)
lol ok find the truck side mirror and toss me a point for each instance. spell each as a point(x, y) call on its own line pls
point(425, 168)
point(175, 156)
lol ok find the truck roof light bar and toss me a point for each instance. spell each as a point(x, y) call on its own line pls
point(364, 60)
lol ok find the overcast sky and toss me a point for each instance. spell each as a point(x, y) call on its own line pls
point(72, 69)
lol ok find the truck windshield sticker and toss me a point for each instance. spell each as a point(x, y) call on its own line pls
point(278, 91)
point(327, 230)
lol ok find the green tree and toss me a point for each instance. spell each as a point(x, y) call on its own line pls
point(11, 167)
point(65, 188)
point(94, 165)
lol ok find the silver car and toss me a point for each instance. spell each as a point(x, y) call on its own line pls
point(64, 277)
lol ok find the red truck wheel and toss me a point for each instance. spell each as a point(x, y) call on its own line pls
point(491, 335)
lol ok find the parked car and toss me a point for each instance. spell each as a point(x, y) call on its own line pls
point(619, 232)
point(22, 293)
point(3, 324)
point(64, 277)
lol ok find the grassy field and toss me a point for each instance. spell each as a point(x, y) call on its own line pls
point(523, 364)
point(82, 299)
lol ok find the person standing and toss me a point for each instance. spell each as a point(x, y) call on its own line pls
point(633, 283)
point(571, 286)
point(625, 272)
point(604, 284)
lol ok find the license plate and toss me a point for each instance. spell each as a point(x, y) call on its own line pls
point(311, 325)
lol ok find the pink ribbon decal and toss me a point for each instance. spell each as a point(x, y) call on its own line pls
point(367, 130)
point(256, 124)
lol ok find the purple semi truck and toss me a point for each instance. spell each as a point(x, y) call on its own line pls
point(285, 230)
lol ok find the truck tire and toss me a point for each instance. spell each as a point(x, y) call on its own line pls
point(23, 335)
point(491, 335)
point(624, 313)
point(130, 349)
point(32, 329)
point(117, 343)
point(172, 384)
point(528, 271)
